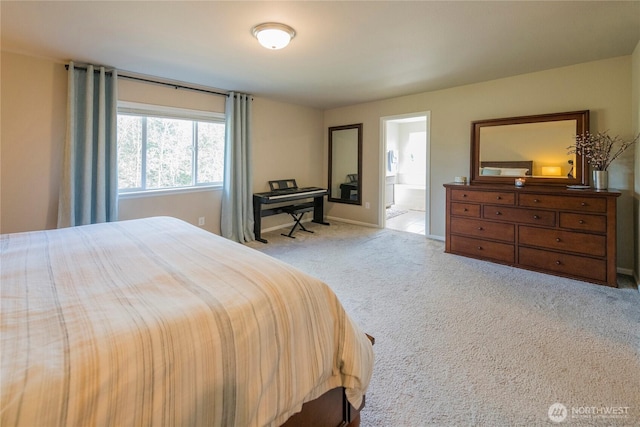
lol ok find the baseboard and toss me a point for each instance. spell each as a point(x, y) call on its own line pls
point(285, 225)
point(364, 224)
point(349, 221)
point(630, 273)
point(328, 219)
point(626, 272)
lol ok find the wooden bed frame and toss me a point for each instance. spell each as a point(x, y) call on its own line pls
point(330, 409)
point(519, 164)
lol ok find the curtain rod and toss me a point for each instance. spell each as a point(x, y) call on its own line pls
point(140, 79)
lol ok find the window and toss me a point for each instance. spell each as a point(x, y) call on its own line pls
point(167, 148)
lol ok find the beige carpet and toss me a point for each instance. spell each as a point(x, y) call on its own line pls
point(465, 342)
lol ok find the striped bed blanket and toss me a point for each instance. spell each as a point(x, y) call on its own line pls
point(157, 322)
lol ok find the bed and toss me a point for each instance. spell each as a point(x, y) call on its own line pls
point(507, 168)
point(157, 322)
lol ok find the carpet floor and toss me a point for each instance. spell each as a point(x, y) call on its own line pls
point(463, 342)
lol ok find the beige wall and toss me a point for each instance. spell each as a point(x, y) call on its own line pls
point(635, 118)
point(291, 141)
point(287, 144)
point(603, 87)
point(281, 133)
point(32, 106)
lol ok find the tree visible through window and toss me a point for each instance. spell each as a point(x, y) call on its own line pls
point(165, 152)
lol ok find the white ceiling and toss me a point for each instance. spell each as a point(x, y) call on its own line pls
point(345, 52)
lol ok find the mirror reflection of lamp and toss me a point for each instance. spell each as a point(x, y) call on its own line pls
point(551, 171)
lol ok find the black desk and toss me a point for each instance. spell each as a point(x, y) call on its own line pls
point(296, 196)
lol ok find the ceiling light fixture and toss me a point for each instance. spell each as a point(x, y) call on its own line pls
point(273, 35)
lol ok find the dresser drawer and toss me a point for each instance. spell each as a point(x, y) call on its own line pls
point(584, 222)
point(483, 249)
point(566, 241)
point(524, 216)
point(483, 229)
point(465, 209)
point(565, 264)
point(495, 197)
point(582, 204)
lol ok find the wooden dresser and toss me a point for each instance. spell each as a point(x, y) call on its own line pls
point(553, 230)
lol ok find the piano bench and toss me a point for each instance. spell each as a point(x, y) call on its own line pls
point(297, 212)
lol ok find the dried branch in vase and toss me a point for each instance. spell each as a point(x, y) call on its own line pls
point(600, 149)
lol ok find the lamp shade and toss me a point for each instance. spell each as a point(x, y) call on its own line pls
point(273, 35)
point(551, 171)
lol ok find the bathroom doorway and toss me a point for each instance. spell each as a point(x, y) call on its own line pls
point(405, 171)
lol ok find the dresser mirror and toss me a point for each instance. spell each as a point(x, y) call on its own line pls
point(345, 164)
point(530, 147)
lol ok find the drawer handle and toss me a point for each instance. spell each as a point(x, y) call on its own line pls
point(465, 210)
point(581, 221)
point(480, 228)
point(558, 262)
point(536, 217)
point(536, 201)
point(498, 213)
point(558, 239)
point(464, 195)
point(479, 248)
point(498, 198)
point(583, 204)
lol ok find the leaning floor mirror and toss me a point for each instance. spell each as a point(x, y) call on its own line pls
point(345, 164)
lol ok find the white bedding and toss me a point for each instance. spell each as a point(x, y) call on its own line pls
point(157, 322)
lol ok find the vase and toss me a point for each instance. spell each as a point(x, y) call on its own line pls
point(600, 180)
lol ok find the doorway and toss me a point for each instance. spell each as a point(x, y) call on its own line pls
point(405, 173)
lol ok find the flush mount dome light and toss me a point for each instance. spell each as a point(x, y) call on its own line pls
point(273, 35)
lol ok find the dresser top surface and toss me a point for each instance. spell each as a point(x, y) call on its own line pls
point(537, 189)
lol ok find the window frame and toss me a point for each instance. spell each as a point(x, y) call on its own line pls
point(161, 111)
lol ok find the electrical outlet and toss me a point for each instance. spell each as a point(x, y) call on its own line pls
point(367, 205)
point(201, 220)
